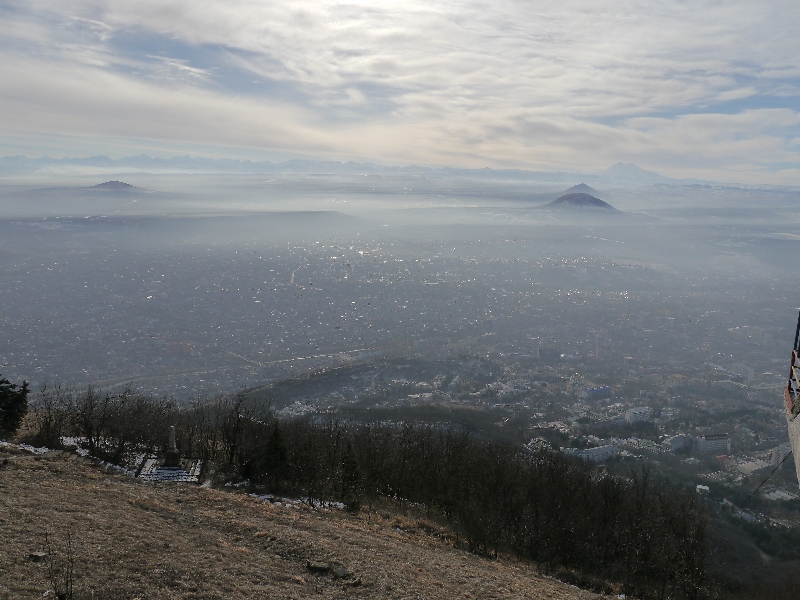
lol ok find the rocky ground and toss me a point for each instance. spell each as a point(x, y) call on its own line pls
point(137, 539)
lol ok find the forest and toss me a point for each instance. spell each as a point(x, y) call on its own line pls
point(631, 533)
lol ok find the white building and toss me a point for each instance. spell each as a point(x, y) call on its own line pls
point(714, 442)
point(678, 442)
point(538, 444)
point(638, 414)
point(598, 454)
point(777, 455)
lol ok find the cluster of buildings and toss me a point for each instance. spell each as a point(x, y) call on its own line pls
point(603, 450)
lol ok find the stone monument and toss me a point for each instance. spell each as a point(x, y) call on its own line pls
point(173, 460)
point(171, 468)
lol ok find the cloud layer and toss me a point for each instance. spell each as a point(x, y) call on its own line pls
point(706, 89)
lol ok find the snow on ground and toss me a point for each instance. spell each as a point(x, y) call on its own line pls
point(151, 470)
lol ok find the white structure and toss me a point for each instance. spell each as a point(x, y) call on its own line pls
point(638, 414)
point(598, 454)
point(714, 442)
point(678, 442)
point(777, 455)
point(538, 444)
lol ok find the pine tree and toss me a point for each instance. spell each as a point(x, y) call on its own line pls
point(275, 457)
point(351, 479)
point(13, 406)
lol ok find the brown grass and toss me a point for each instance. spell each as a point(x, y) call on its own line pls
point(135, 539)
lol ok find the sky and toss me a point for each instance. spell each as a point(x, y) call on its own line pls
point(689, 89)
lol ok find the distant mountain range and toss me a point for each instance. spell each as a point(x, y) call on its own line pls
point(630, 173)
point(623, 174)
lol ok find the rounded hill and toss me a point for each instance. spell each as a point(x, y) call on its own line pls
point(115, 186)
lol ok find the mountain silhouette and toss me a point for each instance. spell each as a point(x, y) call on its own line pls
point(115, 186)
point(580, 201)
point(581, 188)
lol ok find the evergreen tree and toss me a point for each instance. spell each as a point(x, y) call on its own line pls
point(275, 457)
point(13, 406)
point(350, 479)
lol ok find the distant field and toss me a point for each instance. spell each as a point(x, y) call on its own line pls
point(134, 539)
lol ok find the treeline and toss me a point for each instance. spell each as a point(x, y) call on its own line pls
point(633, 532)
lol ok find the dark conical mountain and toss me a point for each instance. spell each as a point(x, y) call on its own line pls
point(580, 201)
point(582, 188)
point(114, 186)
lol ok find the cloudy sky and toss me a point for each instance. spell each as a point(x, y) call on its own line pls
point(694, 89)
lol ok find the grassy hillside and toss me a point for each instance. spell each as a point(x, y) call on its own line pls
point(134, 539)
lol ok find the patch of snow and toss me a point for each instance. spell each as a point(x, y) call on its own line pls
point(175, 475)
point(77, 443)
point(32, 449)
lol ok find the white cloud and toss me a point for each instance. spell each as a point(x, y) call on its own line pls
point(539, 85)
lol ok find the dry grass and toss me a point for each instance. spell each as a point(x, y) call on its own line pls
point(134, 539)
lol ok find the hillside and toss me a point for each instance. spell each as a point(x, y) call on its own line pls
point(137, 539)
point(117, 186)
point(580, 200)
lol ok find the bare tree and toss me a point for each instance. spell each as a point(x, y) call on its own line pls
point(61, 568)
